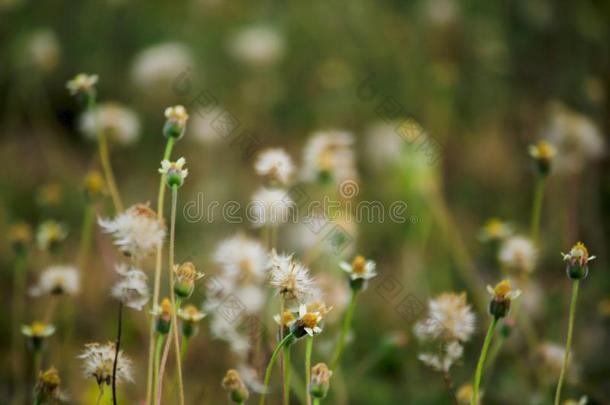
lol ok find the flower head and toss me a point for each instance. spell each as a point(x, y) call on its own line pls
point(275, 164)
point(233, 384)
point(270, 206)
point(306, 323)
point(115, 121)
point(450, 318)
point(50, 234)
point(82, 84)
point(47, 389)
point(320, 380)
point(328, 156)
point(190, 316)
point(243, 260)
point(175, 124)
point(37, 332)
point(98, 363)
point(518, 253)
point(290, 278)
point(174, 172)
point(285, 318)
point(577, 261)
point(137, 231)
point(495, 229)
point(20, 236)
point(132, 289)
point(543, 152)
point(94, 185)
point(163, 313)
point(186, 275)
point(257, 46)
point(502, 295)
point(58, 280)
point(360, 271)
point(155, 69)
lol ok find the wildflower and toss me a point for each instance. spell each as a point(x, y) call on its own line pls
point(98, 363)
point(269, 206)
point(20, 236)
point(94, 186)
point(449, 318)
point(50, 234)
point(175, 124)
point(58, 280)
point(286, 318)
point(137, 231)
point(115, 121)
point(82, 84)
point(320, 380)
point(577, 261)
point(464, 395)
point(37, 332)
point(242, 259)
point(163, 313)
point(307, 323)
point(290, 278)
point(43, 50)
point(257, 46)
point(132, 289)
point(360, 271)
point(275, 164)
point(157, 66)
point(329, 156)
point(233, 384)
point(174, 172)
point(190, 316)
point(543, 152)
point(47, 387)
point(186, 275)
point(443, 361)
point(518, 253)
point(318, 306)
point(502, 294)
point(495, 229)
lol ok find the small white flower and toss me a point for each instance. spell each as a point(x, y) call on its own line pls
point(275, 164)
point(309, 320)
point(242, 259)
point(257, 46)
point(58, 280)
point(81, 83)
point(269, 206)
point(290, 278)
point(519, 253)
point(503, 291)
point(132, 289)
point(167, 167)
point(579, 254)
point(329, 155)
point(136, 231)
point(38, 330)
point(360, 268)
point(158, 66)
point(49, 234)
point(117, 122)
point(43, 49)
point(98, 363)
point(190, 313)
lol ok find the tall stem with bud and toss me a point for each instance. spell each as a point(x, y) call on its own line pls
point(566, 355)
point(287, 340)
point(481, 363)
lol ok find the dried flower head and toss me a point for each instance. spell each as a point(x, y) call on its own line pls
point(175, 124)
point(274, 164)
point(82, 84)
point(328, 156)
point(518, 253)
point(132, 289)
point(174, 172)
point(495, 229)
point(464, 395)
point(269, 206)
point(94, 185)
point(233, 384)
point(502, 295)
point(57, 280)
point(543, 152)
point(137, 232)
point(98, 363)
point(577, 261)
point(115, 121)
point(186, 275)
point(449, 318)
point(20, 236)
point(50, 234)
point(243, 260)
point(47, 389)
point(290, 278)
point(443, 361)
point(320, 380)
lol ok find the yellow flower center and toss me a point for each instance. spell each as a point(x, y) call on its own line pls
point(286, 317)
point(502, 289)
point(166, 307)
point(38, 328)
point(309, 320)
point(494, 227)
point(358, 265)
point(580, 250)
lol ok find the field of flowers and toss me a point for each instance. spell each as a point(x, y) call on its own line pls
point(350, 202)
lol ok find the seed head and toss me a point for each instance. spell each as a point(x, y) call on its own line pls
point(320, 380)
point(234, 385)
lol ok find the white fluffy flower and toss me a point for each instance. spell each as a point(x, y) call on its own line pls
point(552, 356)
point(269, 206)
point(257, 46)
point(136, 231)
point(43, 49)
point(329, 155)
point(98, 363)
point(50, 233)
point(132, 289)
point(177, 166)
point(384, 145)
point(442, 362)
point(117, 122)
point(518, 253)
point(449, 318)
point(159, 65)
point(275, 164)
point(242, 259)
point(290, 278)
point(58, 280)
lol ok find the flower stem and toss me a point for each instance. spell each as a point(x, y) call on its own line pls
point(316, 401)
point(108, 173)
point(537, 209)
point(347, 321)
point(116, 352)
point(100, 395)
point(566, 356)
point(286, 375)
point(19, 279)
point(157, 284)
point(308, 350)
point(479, 372)
point(157, 358)
point(85, 237)
point(288, 338)
point(450, 387)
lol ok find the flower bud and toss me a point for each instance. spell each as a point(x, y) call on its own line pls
point(233, 384)
point(83, 87)
point(47, 387)
point(164, 317)
point(543, 153)
point(186, 275)
point(502, 295)
point(175, 124)
point(577, 259)
point(94, 186)
point(190, 316)
point(174, 172)
point(320, 380)
point(20, 236)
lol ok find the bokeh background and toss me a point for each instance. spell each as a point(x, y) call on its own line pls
point(483, 79)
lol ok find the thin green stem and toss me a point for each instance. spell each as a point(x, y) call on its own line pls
point(19, 279)
point(117, 349)
point(100, 395)
point(157, 358)
point(566, 356)
point(286, 374)
point(347, 322)
point(157, 283)
point(316, 401)
point(479, 372)
point(308, 350)
point(537, 209)
point(272, 361)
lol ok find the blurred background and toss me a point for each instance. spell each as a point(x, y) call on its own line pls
point(483, 80)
